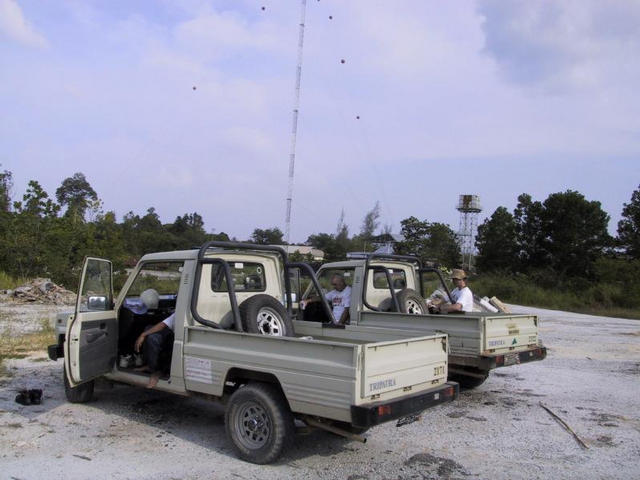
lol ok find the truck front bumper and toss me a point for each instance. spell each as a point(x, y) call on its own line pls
point(370, 414)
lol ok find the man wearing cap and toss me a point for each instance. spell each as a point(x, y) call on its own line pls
point(461, 295)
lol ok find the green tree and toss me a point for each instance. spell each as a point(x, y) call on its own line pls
point(529, 233)
point(188, 231)
point(6, 184)
point(77, 195)
point(268, 236)
point(432, 242)
point(497, 242)
point(27, 230)
point(629, 226)
point(575, 233)
point(370, 222)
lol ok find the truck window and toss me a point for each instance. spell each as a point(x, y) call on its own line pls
point(96, 289)
point(164, 277)
point(247, 277)
point(398, 279)
point(325, 277)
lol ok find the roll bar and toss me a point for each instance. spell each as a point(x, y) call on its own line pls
point(378, 268)
point(307, 268)
point(202, 259)
point(255, 247)
point(391, 256)
point(437, 272)
point(235, 311)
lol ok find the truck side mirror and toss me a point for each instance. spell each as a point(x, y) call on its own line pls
point(97, 302)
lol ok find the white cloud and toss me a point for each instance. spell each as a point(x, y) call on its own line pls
point(15, 27)
point(213, 35)
point(563, 46)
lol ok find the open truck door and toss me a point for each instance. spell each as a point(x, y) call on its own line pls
point(92, 335)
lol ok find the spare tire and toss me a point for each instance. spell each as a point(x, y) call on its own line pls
point(411, 302)
point(265, 315)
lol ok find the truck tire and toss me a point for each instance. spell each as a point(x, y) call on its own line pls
point(259, 423)
point(467, 382)
point(411, 302)
point(265, 315)
point(79, 394)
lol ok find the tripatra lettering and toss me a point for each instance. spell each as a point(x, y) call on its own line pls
point(389, 382)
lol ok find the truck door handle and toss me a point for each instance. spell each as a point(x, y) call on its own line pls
point(92, 337)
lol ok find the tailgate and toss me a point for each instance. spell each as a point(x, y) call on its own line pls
point(509, 333)
point(403, 366)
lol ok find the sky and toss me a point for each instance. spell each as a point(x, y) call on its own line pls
point(187, 106)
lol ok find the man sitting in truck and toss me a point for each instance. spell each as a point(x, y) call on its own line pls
point(461, 295)
point(340, 298)
point(157, 348)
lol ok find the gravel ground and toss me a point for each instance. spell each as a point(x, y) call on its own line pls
point(497, 431)
point(18, 318)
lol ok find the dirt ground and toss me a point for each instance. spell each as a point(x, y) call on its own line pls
point(591, 379)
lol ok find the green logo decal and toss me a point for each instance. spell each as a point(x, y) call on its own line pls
point(515, 340)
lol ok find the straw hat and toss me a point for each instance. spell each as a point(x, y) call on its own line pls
point(459, 274)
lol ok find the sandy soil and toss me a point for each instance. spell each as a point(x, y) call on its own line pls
point(591, 379)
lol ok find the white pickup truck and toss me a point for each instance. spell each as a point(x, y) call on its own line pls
point(387, 292)
point(234, 342)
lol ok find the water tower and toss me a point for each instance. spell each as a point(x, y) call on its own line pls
point(469, 208)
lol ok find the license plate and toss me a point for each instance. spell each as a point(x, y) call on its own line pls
point(408, 419)
point(511, 359)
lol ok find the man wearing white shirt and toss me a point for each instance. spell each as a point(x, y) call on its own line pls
point(339, 297)
point(461, 295)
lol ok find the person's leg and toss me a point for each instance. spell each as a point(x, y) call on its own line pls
point(167, 349)
point(151, 350)
point(156, 347)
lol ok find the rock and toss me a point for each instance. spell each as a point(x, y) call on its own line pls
point(43, 290)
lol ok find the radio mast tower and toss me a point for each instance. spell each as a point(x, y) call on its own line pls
point(294, 128)
point(469, 208)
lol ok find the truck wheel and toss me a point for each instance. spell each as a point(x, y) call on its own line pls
point(411, 302)
point(467, 382)
point(265, 315)
point(78, 394)
point(258, 423)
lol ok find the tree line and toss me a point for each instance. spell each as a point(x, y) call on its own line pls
point(560, 241)
point(43, 235)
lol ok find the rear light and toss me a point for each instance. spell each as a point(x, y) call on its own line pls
point(499, 360)
point(384, 410)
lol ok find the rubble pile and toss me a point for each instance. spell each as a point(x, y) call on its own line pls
point(41, 290)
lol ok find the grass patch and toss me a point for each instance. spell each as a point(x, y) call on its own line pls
point(604, 299)
point(9, 282)
point(23, 345)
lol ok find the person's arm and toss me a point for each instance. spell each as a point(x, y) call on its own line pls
point(315, 298)
point(156, 328)
point(454, 307)
point(344, 318)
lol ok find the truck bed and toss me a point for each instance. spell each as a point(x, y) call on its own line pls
point(319, 376)
point(470, 335)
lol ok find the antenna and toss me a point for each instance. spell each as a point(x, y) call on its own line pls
point(294, 126)
point(469, 208)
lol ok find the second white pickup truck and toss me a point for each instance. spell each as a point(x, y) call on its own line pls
point(387, 293)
